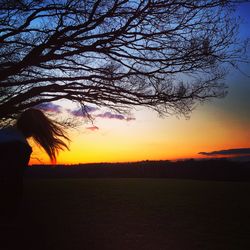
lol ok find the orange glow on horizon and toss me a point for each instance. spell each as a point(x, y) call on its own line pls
point(151, 138)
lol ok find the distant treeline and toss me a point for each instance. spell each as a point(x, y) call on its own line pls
point(214, 169)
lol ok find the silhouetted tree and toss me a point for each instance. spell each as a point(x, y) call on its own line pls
point(162, 54)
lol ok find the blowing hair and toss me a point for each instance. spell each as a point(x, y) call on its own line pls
point(34, 123)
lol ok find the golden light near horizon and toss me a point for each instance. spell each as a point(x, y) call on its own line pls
point(150, 137)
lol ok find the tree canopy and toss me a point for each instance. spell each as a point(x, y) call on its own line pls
point(162, 54)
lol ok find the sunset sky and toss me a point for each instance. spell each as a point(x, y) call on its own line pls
point(142, 135)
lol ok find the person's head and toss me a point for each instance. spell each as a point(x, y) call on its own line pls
point(34, 123)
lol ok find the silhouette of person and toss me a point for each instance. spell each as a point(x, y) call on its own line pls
point(15, 154)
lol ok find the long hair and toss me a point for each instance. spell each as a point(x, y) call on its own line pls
point(34, 123)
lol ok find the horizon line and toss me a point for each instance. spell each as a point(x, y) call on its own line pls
point(139, 161)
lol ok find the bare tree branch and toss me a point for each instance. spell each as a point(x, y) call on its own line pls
point(165, 55)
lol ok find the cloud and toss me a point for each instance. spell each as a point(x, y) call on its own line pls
point(83, 112)
point(130, 119)
point(109, 115)
point(93, 128)
point(228, 152)
point(49, 107)
point(78, 113)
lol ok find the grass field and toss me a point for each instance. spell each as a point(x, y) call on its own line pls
point(136, 214)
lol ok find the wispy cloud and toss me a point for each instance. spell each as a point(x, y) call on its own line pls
point(109, 115)
point(130, 119)
point(93, 128)
point(50, 107)
point(83, 112)
point(227, 152)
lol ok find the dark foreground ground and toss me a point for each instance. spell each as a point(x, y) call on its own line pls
point(208, 169)
point(127, 214)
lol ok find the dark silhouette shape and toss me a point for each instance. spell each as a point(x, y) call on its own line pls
point(14, 157)
point(15, 154)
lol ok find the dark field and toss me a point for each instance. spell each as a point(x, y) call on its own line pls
point(135, 214)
